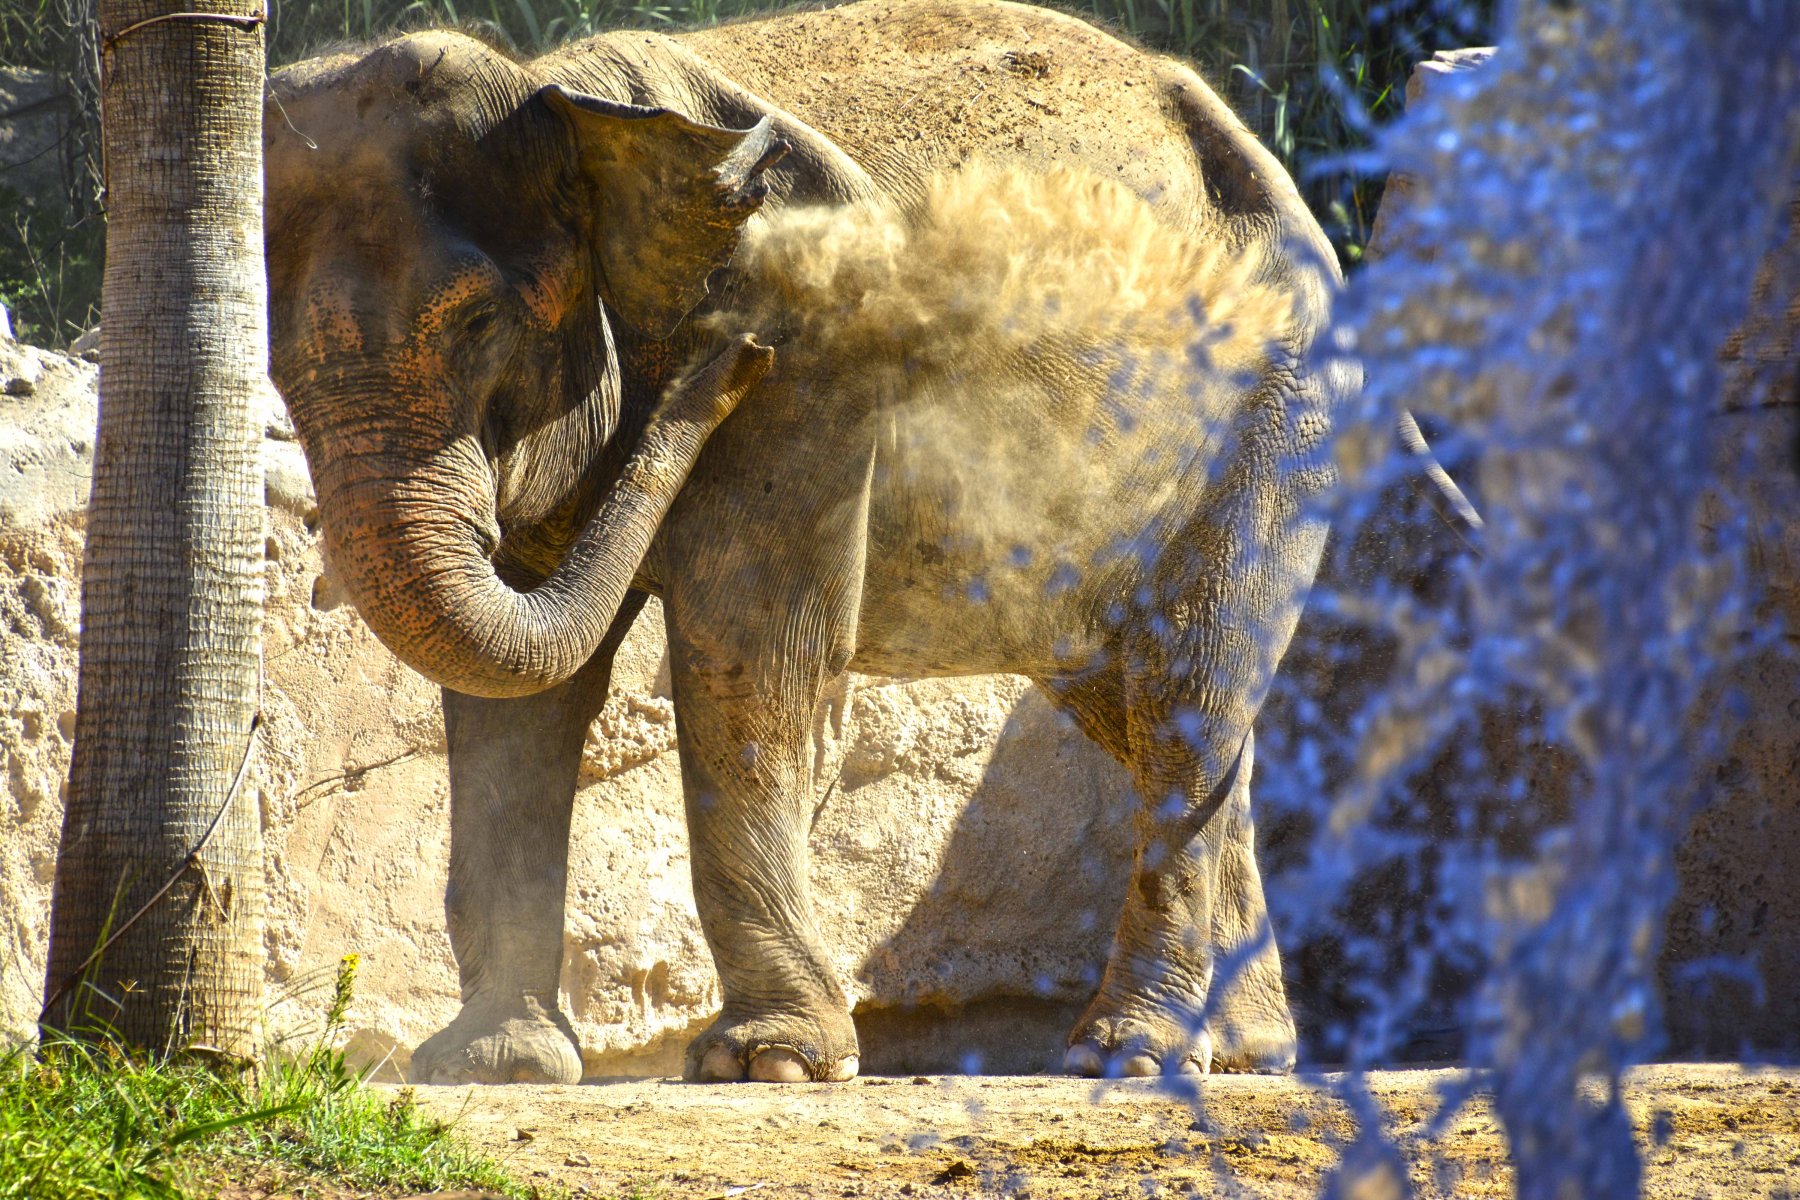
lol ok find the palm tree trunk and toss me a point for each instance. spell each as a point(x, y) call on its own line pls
point(172, 587)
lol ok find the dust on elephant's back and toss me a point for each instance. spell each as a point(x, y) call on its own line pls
point(1042, 87)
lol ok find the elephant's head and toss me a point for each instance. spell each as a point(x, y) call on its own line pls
point(442, 229)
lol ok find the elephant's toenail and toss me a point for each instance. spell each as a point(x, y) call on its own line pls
point(1203, 1051)
point(845, 1069)
point(778, 1064)
point(1084, 1060)
point(720, 1065)
point(1138, 1066)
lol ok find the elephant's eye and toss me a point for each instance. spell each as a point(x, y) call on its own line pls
point(479, 320)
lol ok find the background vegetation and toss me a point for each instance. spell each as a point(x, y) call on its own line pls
point(1313, 77)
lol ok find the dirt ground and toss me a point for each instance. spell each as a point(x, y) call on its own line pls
point(1707, 1131)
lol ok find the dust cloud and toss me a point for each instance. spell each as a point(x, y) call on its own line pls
point(1051, 365)
point(997, 263)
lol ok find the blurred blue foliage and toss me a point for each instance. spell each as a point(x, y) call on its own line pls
point(1589, 212)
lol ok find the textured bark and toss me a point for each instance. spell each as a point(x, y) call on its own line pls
point(172, 592)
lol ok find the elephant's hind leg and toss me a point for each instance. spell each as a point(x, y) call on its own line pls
point(1164, 1004)
point(513, 769)
point(1147, 1017)
point(1248, 1020)
point(1196, 650)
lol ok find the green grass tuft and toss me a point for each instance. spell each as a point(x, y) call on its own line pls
point(85, 1119)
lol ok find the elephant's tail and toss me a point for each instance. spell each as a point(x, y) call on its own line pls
point(1440, 491)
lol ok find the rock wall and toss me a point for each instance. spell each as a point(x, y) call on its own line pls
point(46, 431)
point(1731, 961)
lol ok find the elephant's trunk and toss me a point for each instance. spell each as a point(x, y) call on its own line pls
point(412, 545)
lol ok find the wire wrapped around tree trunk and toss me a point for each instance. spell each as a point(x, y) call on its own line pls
point(246, 21)
point(192, 859)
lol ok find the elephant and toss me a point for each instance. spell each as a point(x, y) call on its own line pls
point(515, 318)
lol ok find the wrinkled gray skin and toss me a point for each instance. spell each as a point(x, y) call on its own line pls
point(482, 279)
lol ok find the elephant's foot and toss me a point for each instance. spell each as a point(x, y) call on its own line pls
point(518, 1042)
point(1110, 1047)
point(776, 1049)
point(1245, 1039)
point(1253, 1043)
point(1252, 1031)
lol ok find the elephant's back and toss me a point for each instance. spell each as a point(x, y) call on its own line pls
point(910, 87)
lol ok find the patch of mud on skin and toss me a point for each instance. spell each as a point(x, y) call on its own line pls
point(1716, 1130)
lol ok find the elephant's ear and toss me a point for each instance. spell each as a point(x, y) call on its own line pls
point(672, 195)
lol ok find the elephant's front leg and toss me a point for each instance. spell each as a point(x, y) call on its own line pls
point(745, 768)
point(513, 768)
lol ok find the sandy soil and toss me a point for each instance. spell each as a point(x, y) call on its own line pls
point(1712, 1131)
